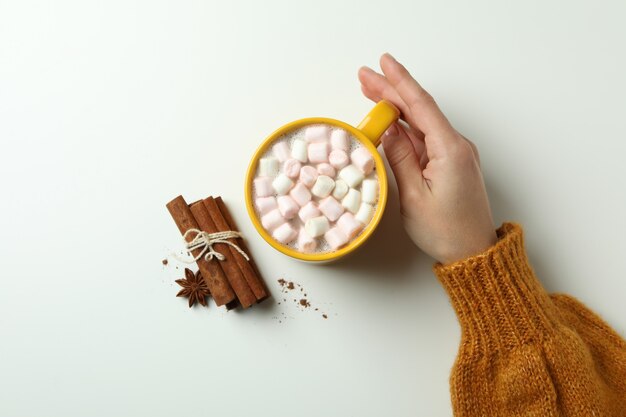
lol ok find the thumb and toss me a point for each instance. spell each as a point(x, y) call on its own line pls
point(402, 158)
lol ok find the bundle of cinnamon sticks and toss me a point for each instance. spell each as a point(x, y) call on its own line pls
point(233, 280)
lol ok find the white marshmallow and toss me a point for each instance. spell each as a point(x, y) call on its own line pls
point(326, 169)
point(340, 190)
point(263, 186)
point(339, 140)
point(300, 194)
point(291, 167)
point(369, 190)
point(323, 186)
point(308, 211)
point(349, 225)
point(316, 226)
point(287, 206)
point(336, 238)
point(363, 159)
point(319, 133)
point(318, 152)
point(285, 233)
point(272, 220)
point(265, 204)
point(282, 184)
point(352, 201)
point(299, 150)
point(338, 158)
point(268, 167)
point(331, 208)
point(281, 151)
point(351, 175)
point(365, 213)
point(308, 175)
point(306, 243)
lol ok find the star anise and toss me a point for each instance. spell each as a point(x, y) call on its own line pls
point(194, 288)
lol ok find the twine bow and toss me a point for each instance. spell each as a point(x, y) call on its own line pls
point(205, 241)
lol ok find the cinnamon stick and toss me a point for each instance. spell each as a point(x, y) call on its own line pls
point(250, 271)
point(233, 274)
point(211, 271)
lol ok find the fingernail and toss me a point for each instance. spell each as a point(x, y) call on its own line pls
point(391, 56)
point(392, 130)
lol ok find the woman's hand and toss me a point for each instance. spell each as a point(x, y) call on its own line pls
point(443, 200)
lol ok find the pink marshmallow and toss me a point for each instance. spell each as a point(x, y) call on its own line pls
point(336, 238)
point(263, 186)
point(265, 204)
point(272, 220)
point(306, 243)
point(319, 133)
point(338, 158)
point(326, 169)
point(318, 152)
point(281, 151)
point(362, 159)
point(349, 225)
point(291, 167)
point(331, 208)
point(308, 175)
point(287, 206)
point(309, 211)
point(339, 140)
point(300, 194)
point(285, 233)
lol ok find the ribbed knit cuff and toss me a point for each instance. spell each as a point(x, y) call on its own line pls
point(496, 296)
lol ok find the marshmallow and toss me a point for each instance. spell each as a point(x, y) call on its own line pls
point(298, 150)
point(263, 187)
point(268, 167)
point(308, 175)
point(300, 194)
point(338, 158)
point(282, 184)
point(336, 238)
point(349, 225)
point(281, 151)
point(316, 226)
point(340, 190)
point(331, 208)
point(323, 186)
point(369, 190)
point(365, 213)
point(291, 167)
point(285, 233)
point(351, 175)
point(326, 169)
point(306, 243)
point(308, 211)
point(352, 201)
point(318, 133)
point(339, 140)
point(363, 159)
point(287, 206)
point(318, 152)
point(265, 204)
point(272, 220)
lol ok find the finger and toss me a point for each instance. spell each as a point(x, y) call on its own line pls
point(417, 137)
point(403, 160)
point(422, 111)
point(474, 149)
point(370, 94)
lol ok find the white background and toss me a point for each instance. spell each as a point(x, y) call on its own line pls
point(110, 109)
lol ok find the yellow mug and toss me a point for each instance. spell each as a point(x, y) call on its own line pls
point(368, 133)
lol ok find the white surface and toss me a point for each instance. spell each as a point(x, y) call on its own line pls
point(110, 109)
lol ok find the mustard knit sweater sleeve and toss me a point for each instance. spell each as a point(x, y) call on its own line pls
point(524, 352)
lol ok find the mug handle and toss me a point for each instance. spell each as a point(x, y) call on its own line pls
point(383, 115)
